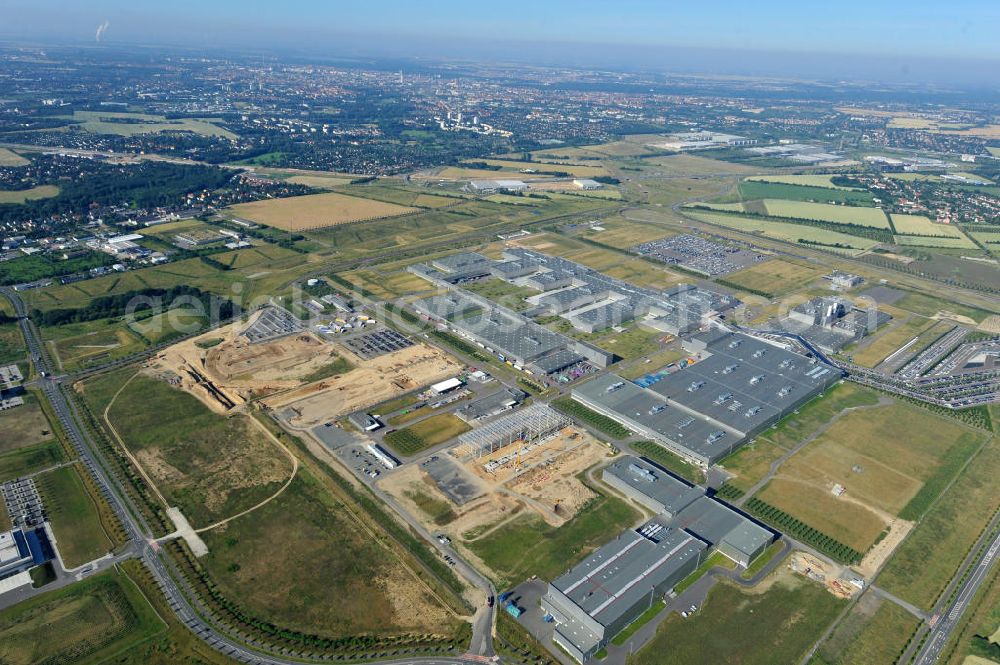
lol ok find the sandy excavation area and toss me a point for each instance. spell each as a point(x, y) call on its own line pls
point(370, 382)
point(226, 374)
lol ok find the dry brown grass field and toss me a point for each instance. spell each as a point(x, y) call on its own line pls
point(316, 211)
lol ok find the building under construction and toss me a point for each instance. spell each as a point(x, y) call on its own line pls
point(525, 426)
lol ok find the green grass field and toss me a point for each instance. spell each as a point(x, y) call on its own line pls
point(11, 344)
point(891, 338)
point(796, 233)
point(746, 628)
point(77, 345)
point(168, 325)
point(27, 460)
point(528, 546)
point(928, 305)
point(89, 621)
point(808, 180)
point(776, 277)
point(924, 562)
point(755, 190)
point(918, 225)
point(875, 631)
point(330, 576)
point(209, 465)
point(24, 425)
point(925, 241)
point(10, 158)
point(73, 515)
point(131, 124)
point(824, 212)
point(426, 434)
point(33, 194)
point(916, 449)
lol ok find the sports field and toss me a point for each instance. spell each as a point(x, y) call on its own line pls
point(33, 194)
point(797, 233)
point(826, 212)
point(808, 180)
point(11, 158)
point(776, 276)
point(762, 626)
point(89, 621)
point(316, 211)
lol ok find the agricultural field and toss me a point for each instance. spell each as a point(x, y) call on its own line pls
point(74, 517)
point(24, 425)
point(825, 212)
point(918, 225)
point(89, 621)
point(788, 615)
point(776, 277)
point(757, 190)
point(319, 181)
point(33, 194)
point(943, 243)
point(795, 233)
point(10, 158)
point(667, 192)
point(874, 631)
point(316, 211)
point(527, 545)
point(987, 237)
point(131, 124)
point(923, 564)
point(208, 465)
point(625, 234)
point(808, 180)
point(426, 434)
point(916, 449)
point(326, 554)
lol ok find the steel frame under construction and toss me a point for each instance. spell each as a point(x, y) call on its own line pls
point(526, 425)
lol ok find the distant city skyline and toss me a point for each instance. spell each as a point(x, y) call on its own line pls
point(636, 33)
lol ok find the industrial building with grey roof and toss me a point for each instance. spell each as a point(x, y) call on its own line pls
point(608, 590)
point(705, 411)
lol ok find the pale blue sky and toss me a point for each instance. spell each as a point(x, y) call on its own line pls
point(912, 40)
point(963, 28)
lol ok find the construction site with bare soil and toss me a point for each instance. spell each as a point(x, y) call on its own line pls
point(543, 478)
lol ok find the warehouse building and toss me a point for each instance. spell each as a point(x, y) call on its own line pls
point(704, 412)
point(683, 506)
point(495, 186)
point(491, 405)
point(609, 589)
point(606, 592)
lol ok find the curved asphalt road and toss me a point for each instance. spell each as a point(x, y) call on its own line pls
point(139, 533)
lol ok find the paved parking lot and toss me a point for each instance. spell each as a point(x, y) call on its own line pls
point(24, 505)
point(377, 343)
point(274, 322)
